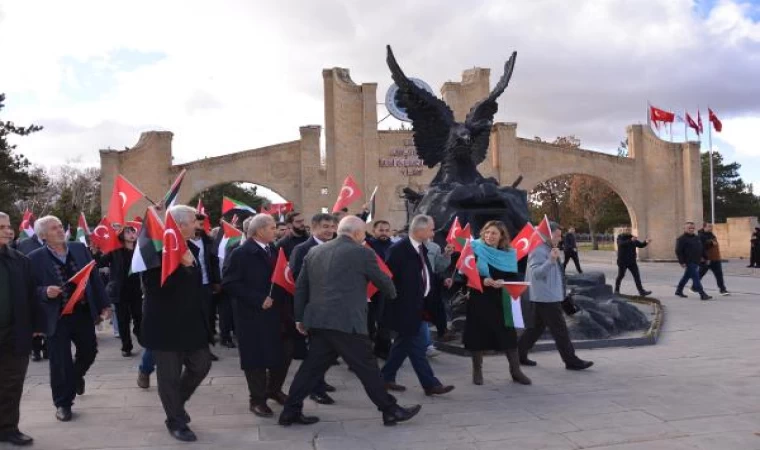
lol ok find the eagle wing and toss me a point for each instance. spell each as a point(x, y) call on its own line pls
point(480, 118)
point(431, 117)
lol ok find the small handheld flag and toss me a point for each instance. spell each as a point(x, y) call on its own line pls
point(282, 275)
point(510, 299)
point(80, 280)
point(349, 193)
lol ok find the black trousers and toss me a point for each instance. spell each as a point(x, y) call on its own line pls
point(634, 269)
point(223, 305)
point(754, 256)
point(717, 270)
point(12, 372)
point(129, 309)
point(574, 256)
point(66, 371)
point(208, 307)
point(263, 383)
point(356, 351)
point(39, 346)
point(178, 375)
point(548, 315)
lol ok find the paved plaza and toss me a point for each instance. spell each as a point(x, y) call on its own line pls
point(699, 388)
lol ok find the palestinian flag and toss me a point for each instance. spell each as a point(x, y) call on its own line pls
point(79, 280)
point(232, 237)
point(510, 301)
point(150, 243)
point(25, 229)
point(229, 204)
point(83, 231)
point(171, 197)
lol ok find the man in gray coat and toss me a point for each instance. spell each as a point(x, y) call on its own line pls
point(331, 303)
point(547, 291)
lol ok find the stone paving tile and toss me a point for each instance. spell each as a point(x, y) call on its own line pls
point(622, 435)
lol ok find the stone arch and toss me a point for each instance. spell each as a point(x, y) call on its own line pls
point(192, 194)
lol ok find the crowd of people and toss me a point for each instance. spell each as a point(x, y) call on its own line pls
point(229, 298)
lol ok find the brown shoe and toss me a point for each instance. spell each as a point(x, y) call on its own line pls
point(438, 390)
point(279, 397)
point(394, 387)
point(143, 380)
point(262, 410)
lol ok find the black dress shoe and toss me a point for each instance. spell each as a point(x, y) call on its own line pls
point(645, 293)
point(126, 353)
point(329, 388)
point(183, 434)
point(681, 294)
point(228, 343)
point(438, 390)
point(16, 438)
point(579, 365)
point(63, 413)
point(80, 386)
point(262, 410)
point(398, 414)
point(36, 357)
point(394, 387)
point(214, 357)
point(322, 399)
point(524, 361)
point(289, 419)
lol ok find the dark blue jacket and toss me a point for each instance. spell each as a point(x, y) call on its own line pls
point(45, 274)
point(380, 247)
point(298, 254)
point(404, 314)
point(27, 313)
point(27, 246)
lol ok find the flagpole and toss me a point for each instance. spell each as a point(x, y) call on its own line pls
point(712, 183)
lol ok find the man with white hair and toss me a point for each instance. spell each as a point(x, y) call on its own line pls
point(53, 265)
point(176, 329)
point(331, 305)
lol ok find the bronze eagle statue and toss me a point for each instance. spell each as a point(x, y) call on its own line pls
point(439, 139)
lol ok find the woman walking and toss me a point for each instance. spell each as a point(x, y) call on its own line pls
point(485, 328)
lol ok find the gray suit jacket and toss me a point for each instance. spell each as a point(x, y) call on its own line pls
point(331, 290)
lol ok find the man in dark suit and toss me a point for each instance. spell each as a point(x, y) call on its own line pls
point(19, 317)
point(380, 242)
point(298, 234)
point(626, 260)
point(413, 277)
point(331, 303)
point(25, 247)
point(52, 266)
point(323, 228)
point(201, 246)
point(264, 355)
point(570, 247)
point(176, 329)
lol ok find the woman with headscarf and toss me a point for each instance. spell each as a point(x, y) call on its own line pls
point(485, 328)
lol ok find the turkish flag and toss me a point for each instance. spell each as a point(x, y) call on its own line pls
point(693, 125)
point(104, 237)
point(458, 235)
point(349, 193)
point(206, 220)
point(174, 248)
point(79, 280)
point(699, 123)
point(124, 195)
point(660, 115)
point(717, 124)
point(524, 243)
point(282, 276)
point(371, 288)
point(466, 265)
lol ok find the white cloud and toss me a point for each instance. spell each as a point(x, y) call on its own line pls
point(742, 134)
point(243, 74)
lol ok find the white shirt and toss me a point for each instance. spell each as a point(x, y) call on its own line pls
point(318, 241)
point(201, 259)
point(416, 245)
point(263, 246)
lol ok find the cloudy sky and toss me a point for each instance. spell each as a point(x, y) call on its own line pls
point(230, 75)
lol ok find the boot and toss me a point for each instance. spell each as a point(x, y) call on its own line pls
point(514, 367)
point(477, 368)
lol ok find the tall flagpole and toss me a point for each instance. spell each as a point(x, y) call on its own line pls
point(712, 182)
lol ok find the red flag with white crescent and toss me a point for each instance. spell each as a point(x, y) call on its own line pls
point(692, 124)
point(282, 276)
point(206, 221)
point(124, 195)
point(349, 193)
point(104, 237)
point(79, 280)
point(467, 265)
point(371, 288)
point(524, 243)
point(174, 248)
point(717, 124)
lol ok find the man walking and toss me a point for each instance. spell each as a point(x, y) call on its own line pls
point(202, 248)
point(176, 329)
point(712, 257)
point(331, 305)
point(626, 260)
point(690, 254)
point(19, 317)
point(53, 265)
point(547, 292)
point(571, 250)
point(413, 278)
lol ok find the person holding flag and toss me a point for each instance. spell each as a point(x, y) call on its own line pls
point(53, 266)
point(264, 355)
point(485, 327)
point(202, 247)
point(175, 327)
point(547, 291)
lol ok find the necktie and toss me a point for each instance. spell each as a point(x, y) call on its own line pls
point(424, 272)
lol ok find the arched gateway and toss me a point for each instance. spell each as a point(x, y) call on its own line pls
point(660, 182)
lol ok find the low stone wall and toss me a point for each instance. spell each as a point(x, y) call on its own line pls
point(734, 235)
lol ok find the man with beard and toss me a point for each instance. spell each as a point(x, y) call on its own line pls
point(380, 242)
point(53, 265)
point(202, 247)
point(323, 228)
point(298, 233)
